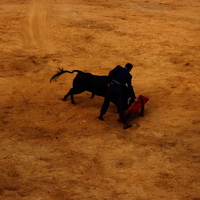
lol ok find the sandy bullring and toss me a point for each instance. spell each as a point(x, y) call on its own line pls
point(53, 150)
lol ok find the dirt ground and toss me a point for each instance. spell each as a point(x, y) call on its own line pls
point(53, 150)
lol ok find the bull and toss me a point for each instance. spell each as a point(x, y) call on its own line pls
point(95, 84)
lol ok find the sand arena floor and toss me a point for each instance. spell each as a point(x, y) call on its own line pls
point(53, 150)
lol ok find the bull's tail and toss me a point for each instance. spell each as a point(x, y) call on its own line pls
point(62, 71)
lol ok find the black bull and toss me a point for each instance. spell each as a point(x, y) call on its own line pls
point(97, 85)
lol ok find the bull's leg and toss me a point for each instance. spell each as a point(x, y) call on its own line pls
point(71, 92)
point(142, 108)
point(92, 95)
point(72, 98)
point(71, 95)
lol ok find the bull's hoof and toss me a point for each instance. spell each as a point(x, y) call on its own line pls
point(127, 126)
point(100, 118)
point(63, 99)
